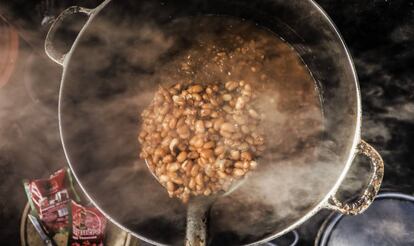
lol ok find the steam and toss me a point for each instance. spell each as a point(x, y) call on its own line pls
point(285, 187)
point(30, 145)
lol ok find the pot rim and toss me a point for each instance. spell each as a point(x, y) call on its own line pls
point(322, 204)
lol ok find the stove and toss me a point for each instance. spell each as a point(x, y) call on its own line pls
point(380, 36)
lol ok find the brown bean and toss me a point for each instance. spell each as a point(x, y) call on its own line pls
point(183, 132)
point(253, 165)
point(254, 114)
point(194, 170)
point(222, 175)
point(185, 198)
point(197, 141)
point(209, 145)
point(240, 103)
point(193, 155)
point(182, 156)
point(217, 123)
point(167, 159)
point(226, 97)
point(225, 134)
point(246, 156)
point(208, 124)
point(238, 172)
point(240, 119)
point(228, 127)
point(164, 178)
point(235, 155)
point(192, 183)
point(214, 115)
point(238, 164)
point(199, 179)
point(205, 112)
point(172, 123)
point(245, 129)
point(170, 186)
point(195, 89)
point(179, 100)
point(209, 90)
point(219, 150)
point(227, 109)
point(207, 192)
point(231, 85)
point(259, 141)
point(196, 96)
point(199, 126)
point(206, 153)
point(173, 144)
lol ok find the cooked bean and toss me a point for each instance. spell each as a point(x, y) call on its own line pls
point(194, 170)
point(238, 164)
point(195, 89)
point(219, 150)
point(238, 172)
point(235, 155)
point(253, 164)
point(170, 186)
point(209, 145)
point(183, 131)
point(246, 156)
point(228, 127)
point(206, 153)
point(182, 156)
point(231, 85)
point(199, 179)
point(226, 97)
point(167, 159)
point(199, 126)
point(193, 155)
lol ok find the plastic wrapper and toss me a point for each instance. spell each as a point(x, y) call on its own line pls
point(50, 199)
point(88, 226)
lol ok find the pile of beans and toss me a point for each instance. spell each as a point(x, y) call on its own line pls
point(197, 139)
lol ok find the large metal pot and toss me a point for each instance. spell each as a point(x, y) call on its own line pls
point(104, 85)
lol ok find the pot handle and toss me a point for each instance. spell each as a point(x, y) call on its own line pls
point(377, 169)
point(50, 50)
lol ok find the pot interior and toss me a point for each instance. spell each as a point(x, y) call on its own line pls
point(109, 80)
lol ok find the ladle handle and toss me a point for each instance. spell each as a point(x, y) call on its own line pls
point(196, 232)
point(50, 49)
point(377, 169)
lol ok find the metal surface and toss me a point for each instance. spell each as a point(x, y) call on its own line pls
point(397, 227)
point(103, 156)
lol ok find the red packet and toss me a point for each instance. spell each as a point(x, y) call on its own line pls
point(50, 199)
point(88, 226)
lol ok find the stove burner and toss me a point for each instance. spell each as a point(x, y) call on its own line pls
point(9, 49)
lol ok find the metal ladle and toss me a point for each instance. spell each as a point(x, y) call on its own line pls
point(197, 212)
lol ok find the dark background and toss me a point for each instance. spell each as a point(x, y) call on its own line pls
point(379, 34)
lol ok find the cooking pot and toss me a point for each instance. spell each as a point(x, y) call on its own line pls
point(389, 221)
point(107, 81)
